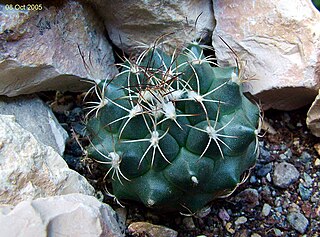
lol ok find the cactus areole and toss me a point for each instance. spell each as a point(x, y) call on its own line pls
point(173, 132)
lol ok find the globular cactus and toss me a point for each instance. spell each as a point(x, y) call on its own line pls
point(173, 132)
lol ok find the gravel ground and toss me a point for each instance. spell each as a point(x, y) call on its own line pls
point(280, 197)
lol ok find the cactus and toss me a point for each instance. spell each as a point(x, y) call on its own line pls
point(173, 132)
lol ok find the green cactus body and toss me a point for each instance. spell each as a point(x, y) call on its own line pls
point(173, 132)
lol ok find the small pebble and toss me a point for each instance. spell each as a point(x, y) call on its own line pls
point(294, 207)
point(305, 193)
point(268, 177)
point(283, 147)
point(288, 153)
point(241, 220)
point(253, 179)
point(255, 235)
point(229, 228)
point(277, 232)
point(249, 196)
point(305, 157)
point(285, 174)
point(139, 228)
point(283, 157)
point(317, 162)
point(266, 209)
point(308, 181)
point(298, 221)
point(223, 215)
point(188, 222)
point(264, 154)
point(317, 147)
point(264, 170)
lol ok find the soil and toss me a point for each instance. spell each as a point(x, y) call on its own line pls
point(259, 207)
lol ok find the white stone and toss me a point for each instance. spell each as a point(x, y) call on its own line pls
point(241, 220)
point(68, 215)
point(266, 209)
point(40, 50)
point(279, 45)
point(313, 116)
point(30, 170)
point(130, 22)
point(44, 126)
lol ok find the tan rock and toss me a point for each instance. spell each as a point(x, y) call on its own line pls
point(68, 215)
point(139, 228)
point(40, 50)
point(29, 169)
point(279, 43)
point(131, 22)
point(313, 117)
point(45, 127)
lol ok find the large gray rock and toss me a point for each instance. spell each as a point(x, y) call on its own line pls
point(30, 170)
point(35, 116)
point(68, 215)
point(40, 50)
point(279, 44)
point(313, 116)
point(131, 22)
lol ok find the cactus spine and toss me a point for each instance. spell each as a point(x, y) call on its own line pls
point(173, 132)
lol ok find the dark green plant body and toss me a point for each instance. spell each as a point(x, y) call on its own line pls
point(173, 132)
point(316, 3)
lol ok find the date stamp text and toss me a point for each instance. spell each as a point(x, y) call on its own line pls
point(24, 7)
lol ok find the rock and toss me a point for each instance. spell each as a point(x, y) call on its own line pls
point(308, 181)
point(282, 67)
point(44, 126)
point(41, 50)
point(285, 174)
point(264, 170)
point(253, 179)
point(265, 154)
point(122, 218)
point(224, 215)
point(138, 23)
point(68, 215)
point(317, 162)
point(266, 209)
point(313, 116)
point(255, 235)
point(30, 170)
point(305, 157)
point(298, 221)
point(249, 197)
point(277, 232)
point(150, 230)
point(229, 228)
point(317, 147)
point(241, 220)
point(305, 193)
point(188, 223)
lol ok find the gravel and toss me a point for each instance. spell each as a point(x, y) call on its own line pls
point(281, 197)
